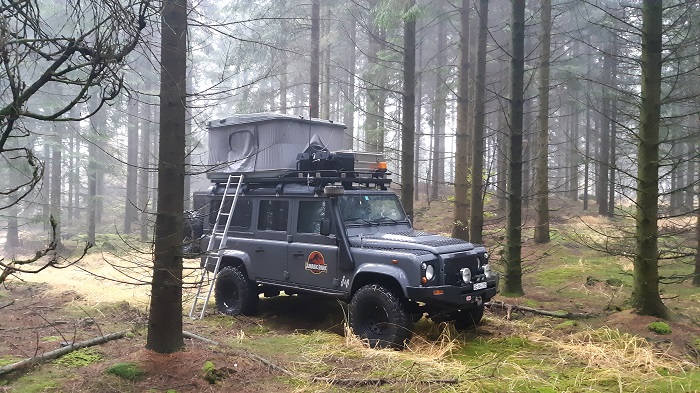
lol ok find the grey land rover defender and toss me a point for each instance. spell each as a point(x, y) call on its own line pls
point(330, 225)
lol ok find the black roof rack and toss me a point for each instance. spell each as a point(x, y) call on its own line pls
point(318, 179)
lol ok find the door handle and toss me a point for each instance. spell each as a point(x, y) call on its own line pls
point(298, 254)
point(260, 249)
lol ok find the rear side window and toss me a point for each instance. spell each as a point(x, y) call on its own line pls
point(242, 215)
point(273, 215)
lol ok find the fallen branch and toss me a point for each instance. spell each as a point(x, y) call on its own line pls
point(51, 324)
point(512, 307)
point(196, 337)
point(60, 352)
point(351, 382)
point(268, 363)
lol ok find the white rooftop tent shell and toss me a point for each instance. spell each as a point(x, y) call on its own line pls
point(267, 141)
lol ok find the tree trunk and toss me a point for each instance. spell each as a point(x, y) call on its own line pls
point(349, 116)
point(56, 181)
point(574, 154)
point(502, 162)
point(512, 255)
point(542, 172)
point(418, 122)
point(645, 296)
point(696, 273)
point(408, 130)
point(165, 313)
point(130, 210)
point(145, 168)
point(460, 223)
point(92, 173)
point(587, 154)
point(690, 178)
point(71, 170)
point(315, 57)
point(375, 95)
point(46, 186)
point(607, 89)
point(439, 109)
point(326, 102)
point(476, 222)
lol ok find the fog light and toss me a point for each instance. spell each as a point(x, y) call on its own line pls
point(487, 271)
point(466, 275)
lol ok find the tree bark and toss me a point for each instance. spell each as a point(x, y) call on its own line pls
point(460, 222)
point(56, 181)
point(165, 313)
point(408, 129)
point(349, 116)
point(418, 122)
point(476, 222)
point(315, 57)
point(645, 297)
point(326, 101)
point(573, 161)
point(587, 154)
point(542, 172)
point(130, 210)
point(145, 169)
point(512, 255)
point(439, 109)
point(696, 272)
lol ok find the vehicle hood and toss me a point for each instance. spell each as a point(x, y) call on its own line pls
point(411, 241)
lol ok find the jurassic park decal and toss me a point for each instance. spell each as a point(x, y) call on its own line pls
point(315, 263)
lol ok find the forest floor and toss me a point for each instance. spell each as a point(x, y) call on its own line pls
point(297, 343)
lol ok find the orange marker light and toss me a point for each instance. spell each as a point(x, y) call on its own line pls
point(395, 261)
point(438, 292)
point(423, 280)
point(381, 166)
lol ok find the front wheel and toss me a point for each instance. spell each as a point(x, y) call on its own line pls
point(235, 293)
point(380, 317)
point(468, 318)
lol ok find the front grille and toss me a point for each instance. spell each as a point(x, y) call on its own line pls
point(454, 265)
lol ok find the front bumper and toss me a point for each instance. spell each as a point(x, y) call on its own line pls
point(451, 296)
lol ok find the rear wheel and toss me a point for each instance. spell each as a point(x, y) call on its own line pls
point(380, 317)
point(235, 293)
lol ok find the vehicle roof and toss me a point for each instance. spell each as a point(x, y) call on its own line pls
point(267, 116)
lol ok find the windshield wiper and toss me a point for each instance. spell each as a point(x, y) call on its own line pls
point(363, 220)
point(385, 218)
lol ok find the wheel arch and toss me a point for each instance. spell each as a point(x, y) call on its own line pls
point(390, 277)
point(235, 258)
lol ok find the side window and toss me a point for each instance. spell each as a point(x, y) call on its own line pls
point(242, 215)
point(310, 215)
point(273, 215)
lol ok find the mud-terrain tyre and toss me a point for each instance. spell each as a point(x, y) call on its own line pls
point(380, 317)
point(235, 293)
point(468, 318)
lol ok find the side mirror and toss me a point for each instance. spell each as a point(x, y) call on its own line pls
point(325, 226)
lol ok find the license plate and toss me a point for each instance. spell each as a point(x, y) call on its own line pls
point(479, 285)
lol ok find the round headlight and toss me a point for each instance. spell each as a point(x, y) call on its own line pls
point(429, 272)
point(466, 274)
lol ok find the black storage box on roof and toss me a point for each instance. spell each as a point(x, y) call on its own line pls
point(267, 143)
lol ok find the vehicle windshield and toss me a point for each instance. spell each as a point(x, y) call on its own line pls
point(374, 209)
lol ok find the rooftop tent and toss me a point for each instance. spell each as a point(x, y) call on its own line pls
point(267, 141)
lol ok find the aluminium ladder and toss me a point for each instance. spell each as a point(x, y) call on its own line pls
point(214, 250)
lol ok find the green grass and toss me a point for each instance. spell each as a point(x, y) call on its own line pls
point(79, 358)
point(128, 371)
